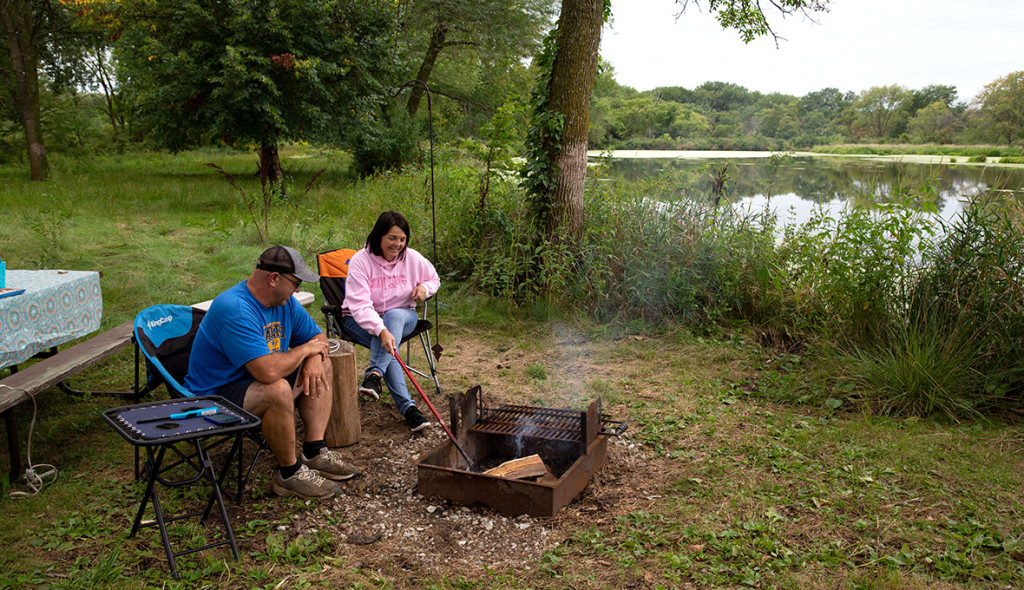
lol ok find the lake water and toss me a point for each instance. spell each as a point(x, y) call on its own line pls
point(794, 185)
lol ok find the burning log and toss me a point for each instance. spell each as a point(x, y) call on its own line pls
point(523, 468)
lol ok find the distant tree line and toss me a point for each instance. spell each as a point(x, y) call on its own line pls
point(721, 115)
point(104, 75)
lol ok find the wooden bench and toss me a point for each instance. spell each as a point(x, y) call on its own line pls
point(26, 383)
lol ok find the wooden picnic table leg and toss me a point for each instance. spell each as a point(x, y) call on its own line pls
point(12, 438)
point(12, 445)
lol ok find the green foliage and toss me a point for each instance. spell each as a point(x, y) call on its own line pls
point(750, 20)
point(976, 160)
point(544, 137)
point(924, 149)
point(956, 342)
point(387, 142)
point(50, 224)
point(854, 263)
point(467, 48)
point(923, 368)
point(880, 110)
point(271, 196)
point(236, 73)
point(935, 122)
point(1002, 108)
point(501, 143)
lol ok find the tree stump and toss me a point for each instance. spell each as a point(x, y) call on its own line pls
point(343, 428)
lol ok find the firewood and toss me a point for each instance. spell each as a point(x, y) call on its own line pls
point(532, 466)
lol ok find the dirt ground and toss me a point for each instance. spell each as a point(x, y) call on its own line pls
point(388, 527)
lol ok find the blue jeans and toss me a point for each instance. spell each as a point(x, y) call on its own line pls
point(400, 322)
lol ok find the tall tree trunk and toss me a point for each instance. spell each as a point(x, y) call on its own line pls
point(270, 163)
point(437, 39)
point(573, 73)
point(19, 29)
point(105, 78)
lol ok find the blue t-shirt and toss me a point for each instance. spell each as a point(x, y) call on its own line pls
point(237, 329)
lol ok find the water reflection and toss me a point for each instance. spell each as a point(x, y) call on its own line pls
point(794, 185)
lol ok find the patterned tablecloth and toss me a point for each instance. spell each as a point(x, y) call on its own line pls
point(56, 307)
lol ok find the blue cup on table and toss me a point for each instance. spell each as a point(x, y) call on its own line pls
point(3, 274)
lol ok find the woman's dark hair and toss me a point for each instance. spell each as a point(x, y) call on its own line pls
point(385, 222)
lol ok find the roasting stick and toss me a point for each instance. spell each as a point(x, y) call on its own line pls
point(434, 411)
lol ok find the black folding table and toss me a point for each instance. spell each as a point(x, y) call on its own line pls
point(149, 426)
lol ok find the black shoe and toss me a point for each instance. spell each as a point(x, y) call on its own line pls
point(371, 386)
point(415, 419)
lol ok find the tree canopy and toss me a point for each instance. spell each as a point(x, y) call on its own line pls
point(237, 72)
point(494, 34)
point(1002, 106)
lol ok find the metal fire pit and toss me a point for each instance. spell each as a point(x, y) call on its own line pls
point(573, 444)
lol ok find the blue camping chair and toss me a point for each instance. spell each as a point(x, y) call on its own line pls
point(164, 335)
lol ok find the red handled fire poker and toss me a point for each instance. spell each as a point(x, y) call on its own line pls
point(433, 410)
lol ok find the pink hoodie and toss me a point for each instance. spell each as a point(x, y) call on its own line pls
point(375, 285)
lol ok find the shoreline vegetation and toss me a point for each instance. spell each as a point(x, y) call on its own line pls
point(911, 154)
point(840, 408)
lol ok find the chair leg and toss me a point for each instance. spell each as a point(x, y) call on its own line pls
point(425, 341)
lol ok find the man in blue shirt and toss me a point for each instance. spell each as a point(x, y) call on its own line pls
point(258, 348)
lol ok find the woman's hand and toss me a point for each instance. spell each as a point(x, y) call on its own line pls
point(419, 293)
point(387, 341)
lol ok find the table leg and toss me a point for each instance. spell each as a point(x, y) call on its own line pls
point(12, 445)
point(153, 467)
point(12, 438)
point(235, 447)
point(211, 475)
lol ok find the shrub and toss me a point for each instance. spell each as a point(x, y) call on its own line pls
point(854, 263)
point(956, 345)
point(386, 143)
point(976, 159)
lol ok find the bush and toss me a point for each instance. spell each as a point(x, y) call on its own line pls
point(956, 345)
point(976, 159)
point(386, 143)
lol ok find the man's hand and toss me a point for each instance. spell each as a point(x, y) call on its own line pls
point(315, 347)
point(312, 378)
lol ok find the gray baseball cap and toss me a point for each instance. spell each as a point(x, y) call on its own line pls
point(285, 259)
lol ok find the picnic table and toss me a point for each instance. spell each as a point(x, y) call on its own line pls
point(47, 308)
point(57, 306)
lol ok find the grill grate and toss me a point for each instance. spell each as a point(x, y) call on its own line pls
point(546, 423)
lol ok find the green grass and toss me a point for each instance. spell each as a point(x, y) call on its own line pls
point(743, 466)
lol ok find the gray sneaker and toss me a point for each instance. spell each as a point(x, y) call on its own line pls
point(329, 464)
point(306, 484)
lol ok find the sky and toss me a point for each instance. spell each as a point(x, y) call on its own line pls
point(856, 45)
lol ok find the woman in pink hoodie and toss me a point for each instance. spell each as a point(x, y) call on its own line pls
point(385, 281)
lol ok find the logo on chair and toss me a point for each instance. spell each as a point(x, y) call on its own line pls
point(158, 322)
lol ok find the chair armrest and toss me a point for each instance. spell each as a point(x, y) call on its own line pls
point(331, 309)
